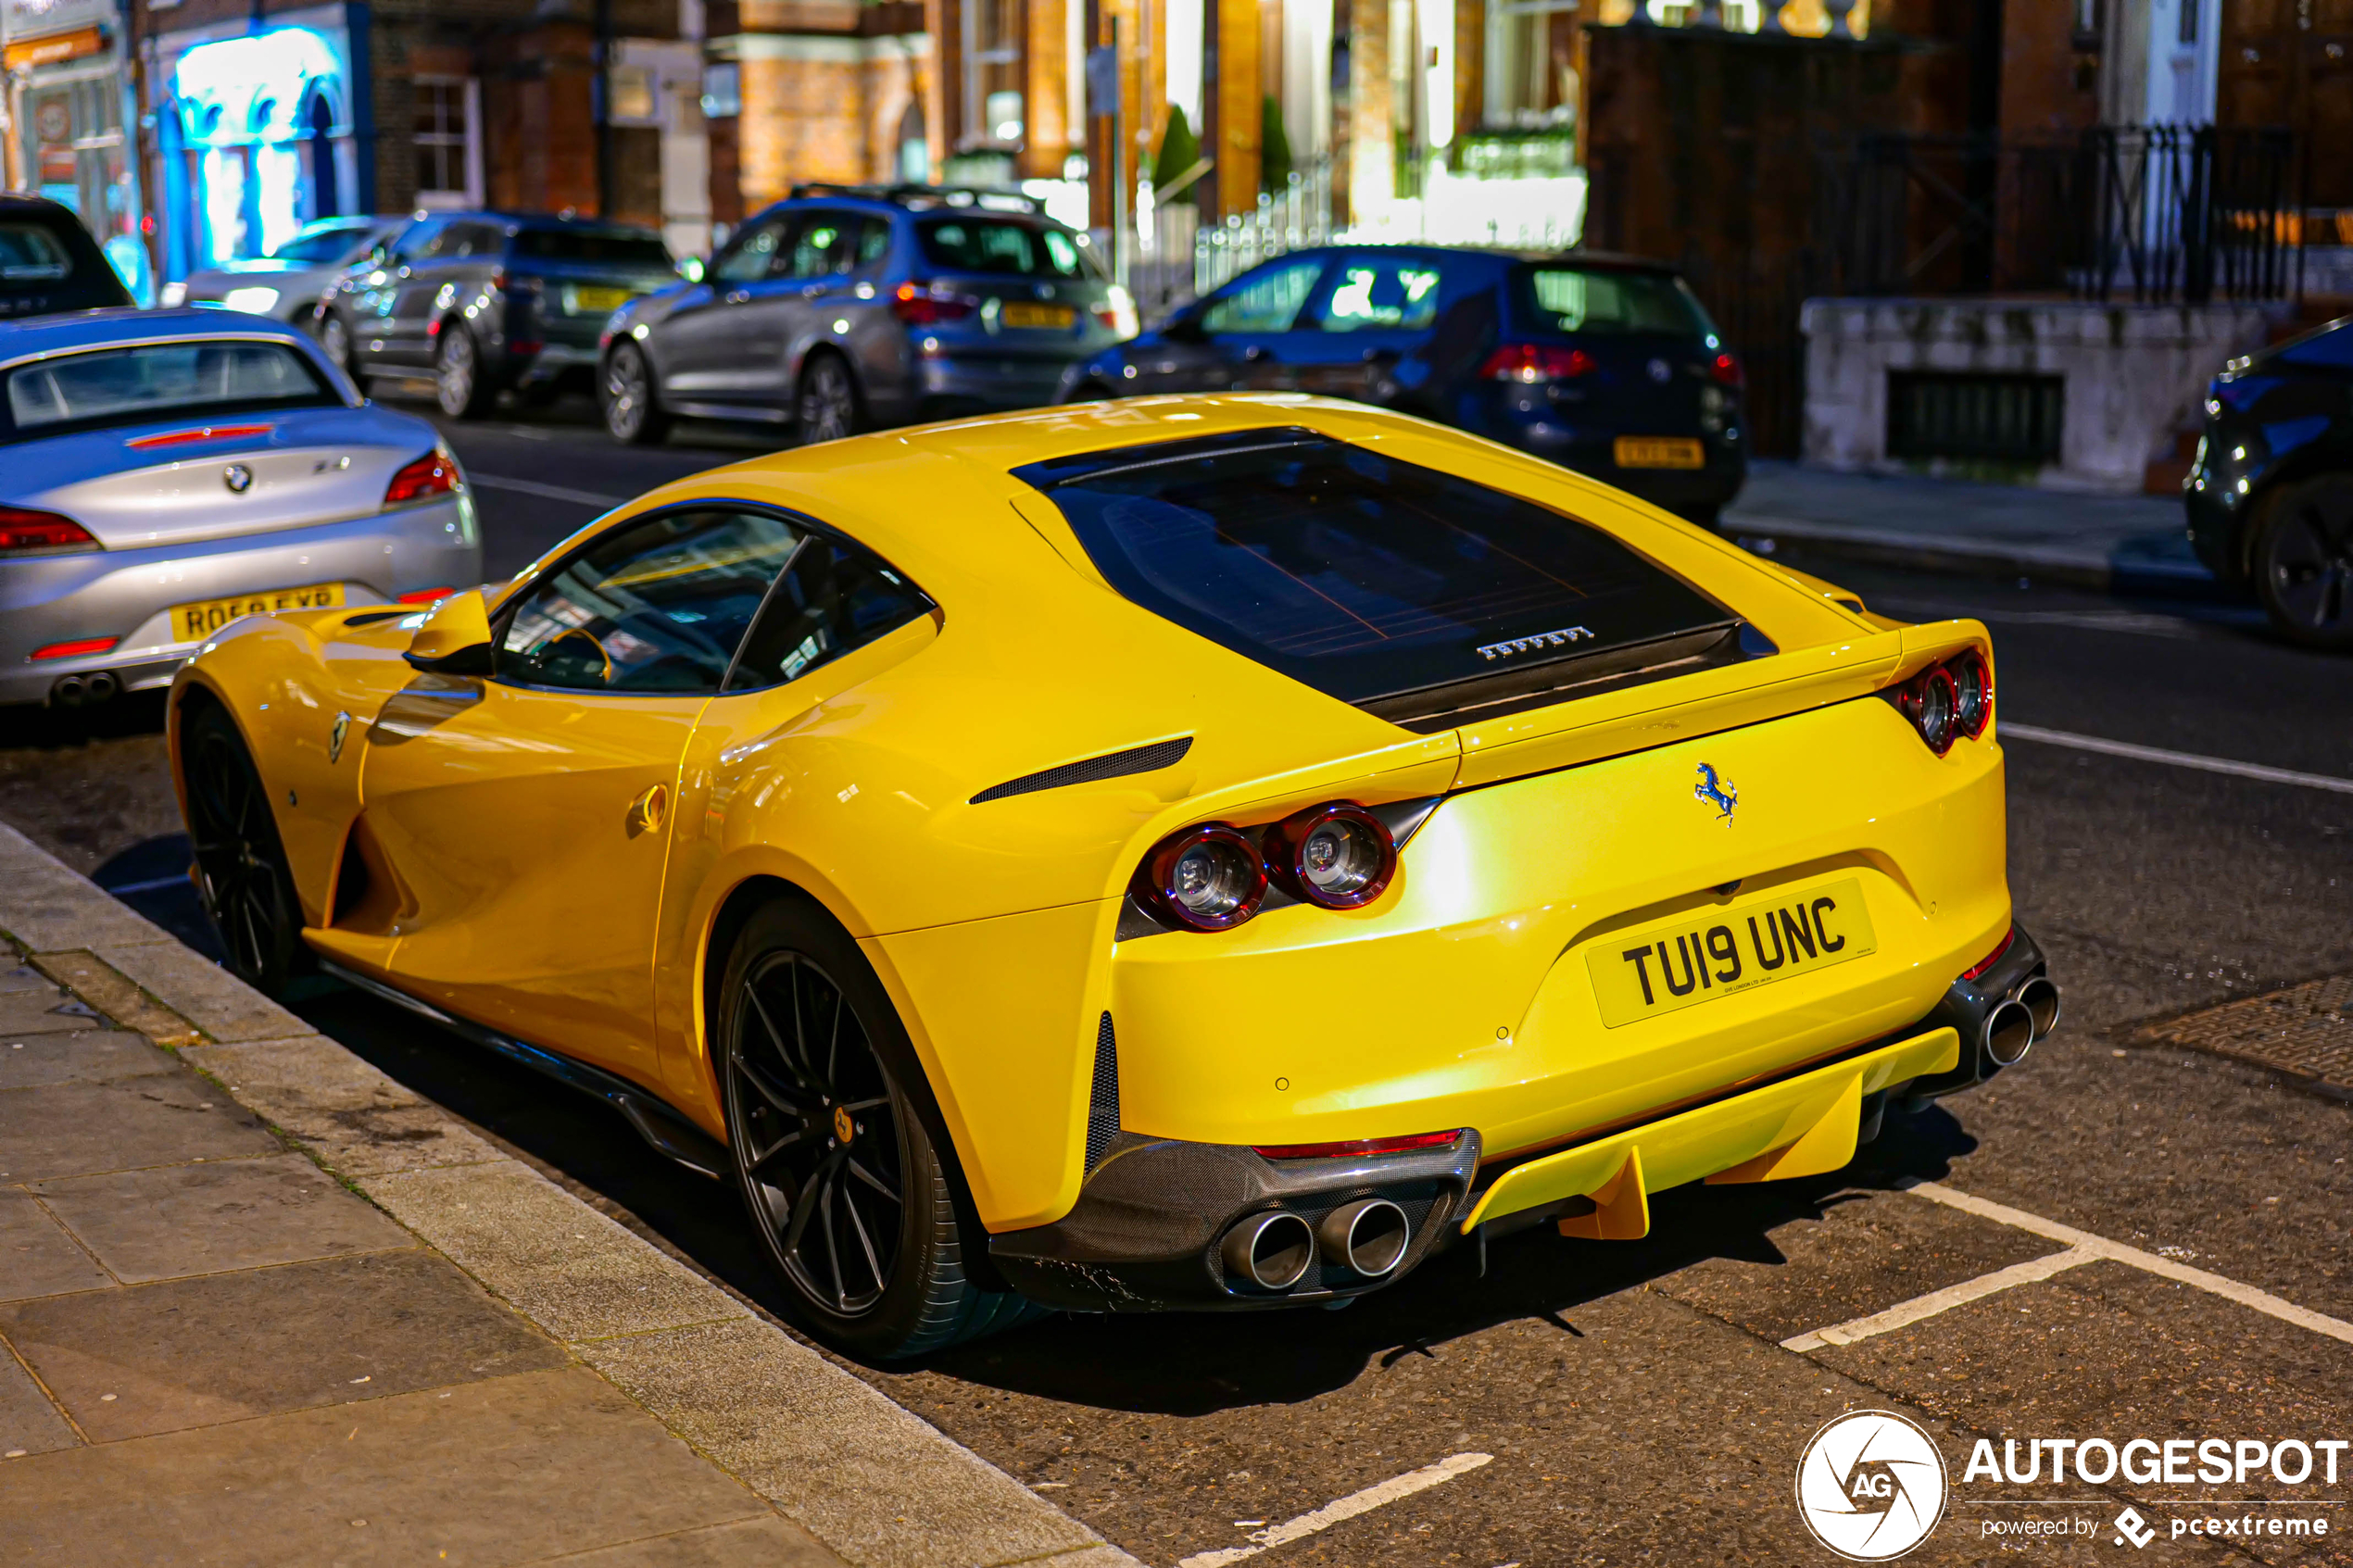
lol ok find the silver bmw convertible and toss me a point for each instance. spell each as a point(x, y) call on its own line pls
point(164, 472)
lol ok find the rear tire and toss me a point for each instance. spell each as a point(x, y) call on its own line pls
point(625, 391)
point(461, 385)
point(826, 405)
point(2303, 562)
point(863, 1230)
point(242, 877)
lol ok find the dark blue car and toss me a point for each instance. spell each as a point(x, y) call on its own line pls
point(1603, 364)
point(2270, 495)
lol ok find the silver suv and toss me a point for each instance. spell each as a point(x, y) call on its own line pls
point(845, 307)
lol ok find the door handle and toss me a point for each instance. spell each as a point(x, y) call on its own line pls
point(736, 296)
point(815, 291)
point(646, 812)
point(1254, 354)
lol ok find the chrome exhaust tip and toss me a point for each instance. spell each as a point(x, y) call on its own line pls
point(68, 691)
point(2040, 997)
point(1368, 1236)
point(2009, 1034)
point(1271, 1250)
point(100, 687)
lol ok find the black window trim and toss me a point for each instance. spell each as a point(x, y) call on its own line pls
point(810, 527)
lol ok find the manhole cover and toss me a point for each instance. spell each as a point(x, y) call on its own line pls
point(2306, 1030)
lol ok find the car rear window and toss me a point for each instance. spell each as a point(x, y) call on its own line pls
point(126, 386)
point(322, 245)
point(1000, 245)
point(1576, 299)
point(44, 269)
point(1378, 581)
point(592, 248)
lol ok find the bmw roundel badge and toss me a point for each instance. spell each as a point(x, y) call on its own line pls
point(238, 478)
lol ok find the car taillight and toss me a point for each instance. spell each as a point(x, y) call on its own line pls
point(426, 596)
point(22, 532)
point(1117, 314)
point(1339, 855)
point(1536, 362)
point(81, 648)
point(1207, 878)
point(1974, 692)
point(436, 473)
point(1990, 959)
point(927, 305)
point(1929, 700)
point(1356, 1147)
point(1727, 371)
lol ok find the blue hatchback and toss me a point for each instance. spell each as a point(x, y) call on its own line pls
point(1603, 364)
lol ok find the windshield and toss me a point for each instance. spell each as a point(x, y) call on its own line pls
point(125, 386)
point(45, 268)
point(1360, 575)
point(1000, 245)
point(614, 249)
point(1571, 299)
point(322, 245)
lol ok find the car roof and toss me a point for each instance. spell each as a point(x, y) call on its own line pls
point(35, 335)
point(554, 221)
point(26, 204)
point(1600, 259)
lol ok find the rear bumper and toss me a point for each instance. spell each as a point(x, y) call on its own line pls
point(983, 381)
point(126, 595)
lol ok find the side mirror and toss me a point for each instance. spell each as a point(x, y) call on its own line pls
point(455, 639)
point(379, 253)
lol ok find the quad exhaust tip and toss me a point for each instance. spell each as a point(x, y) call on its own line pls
point(1367, 1237)
point(2010, 1033)
point(2040, 997)
point(1271, 1250)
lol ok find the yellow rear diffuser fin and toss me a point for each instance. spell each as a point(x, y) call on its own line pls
point(1827, 1144)
point(1621, 1207)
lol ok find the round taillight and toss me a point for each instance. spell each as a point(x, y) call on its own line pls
point(1338, 855)
point(1207, 878)
point(1931, 702)
point(1974, 693)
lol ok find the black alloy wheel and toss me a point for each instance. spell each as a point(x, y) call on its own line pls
point(829, 403)
point(242, 877)
point(2303, 562)
point(460, 385)
point(835, 1165)
point(631, 416)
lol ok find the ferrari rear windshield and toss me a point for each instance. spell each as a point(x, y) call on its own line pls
point(1361, 575)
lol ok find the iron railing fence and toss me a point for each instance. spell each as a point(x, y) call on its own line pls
point(1298, 215)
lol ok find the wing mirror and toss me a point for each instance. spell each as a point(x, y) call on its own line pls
point(455, 639)
point(379, 253)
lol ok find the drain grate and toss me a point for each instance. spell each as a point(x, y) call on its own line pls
point(2306, 1030)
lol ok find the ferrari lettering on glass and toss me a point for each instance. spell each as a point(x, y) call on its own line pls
point(994, 980)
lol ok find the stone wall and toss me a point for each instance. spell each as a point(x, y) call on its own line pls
point(823, 107)
point(2133, 375)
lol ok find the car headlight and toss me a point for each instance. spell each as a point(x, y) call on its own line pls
point(1206, 878)
point(252, 301)
point(175, 292)
point(1339, 855)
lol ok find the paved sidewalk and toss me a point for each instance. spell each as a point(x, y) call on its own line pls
point(2097, 542)
point(261, 1305)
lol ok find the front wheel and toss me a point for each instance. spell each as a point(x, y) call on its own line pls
point(631, 415)
point(850, 1199)
point(242, 876)
point(460, 385)
point(829, 403)
point(2303, 562)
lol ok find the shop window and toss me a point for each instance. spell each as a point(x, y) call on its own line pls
point(448, 142)
point(993, 105)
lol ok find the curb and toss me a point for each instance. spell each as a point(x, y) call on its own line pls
point(877, 1484)
point(1761, 535)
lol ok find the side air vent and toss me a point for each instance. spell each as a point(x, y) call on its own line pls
point(1102, 1102)
point(1117, 764)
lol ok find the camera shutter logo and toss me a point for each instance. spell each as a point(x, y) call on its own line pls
point(1870, 1485)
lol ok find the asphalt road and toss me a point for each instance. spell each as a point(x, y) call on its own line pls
point(1634, 1399)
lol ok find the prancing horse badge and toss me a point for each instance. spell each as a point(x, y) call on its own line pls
point(1722, 796)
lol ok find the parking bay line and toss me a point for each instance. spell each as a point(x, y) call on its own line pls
point(546, 492)
point(2083, 1246)
point(2177, 759)
point(1348, 1507)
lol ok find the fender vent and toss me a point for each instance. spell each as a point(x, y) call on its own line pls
point(1118, 764)
point(1103, 1101)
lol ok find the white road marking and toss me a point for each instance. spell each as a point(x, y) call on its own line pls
point(2083, 1246)
point(1348, 1507)
point(546, 492)
point(152, 885)
point(1905, 1313)
point(2175, 759)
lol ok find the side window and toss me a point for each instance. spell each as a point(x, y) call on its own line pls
point(822, 247)
point(874, 241)
point(657, 606)
point(754, 252)
point(1378, 292)
point(833, 597)
point(419, 240)
point(1264, 301)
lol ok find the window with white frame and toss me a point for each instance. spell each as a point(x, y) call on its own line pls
point(1531, 73)
point(448, 141)
point(993, 106)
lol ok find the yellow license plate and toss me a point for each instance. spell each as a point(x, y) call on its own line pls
point(1737, 948)
point(193, 622)
point(1022, 313)
point(595, 301)
point(1658, 452)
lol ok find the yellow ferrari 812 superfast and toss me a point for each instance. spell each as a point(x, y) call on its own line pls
point(1203, 852)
